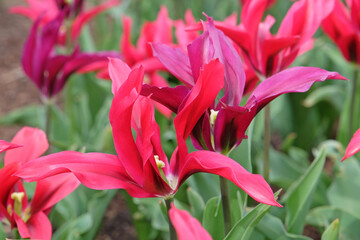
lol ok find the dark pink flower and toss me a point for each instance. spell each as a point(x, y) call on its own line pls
point(141, 166)
point(343, 27)
point(48, 70)
point(267, 53)
point(30, 217)
point(186, 226)
point(223, 125)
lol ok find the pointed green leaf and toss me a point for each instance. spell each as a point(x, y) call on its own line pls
point(213, 220)
point(332, 232)
point(244, 227)
point(299, 195)
point(197, 204)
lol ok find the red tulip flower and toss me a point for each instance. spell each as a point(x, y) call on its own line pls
point(30, 217)
point(141, 166)
point(343, 27)
point(267, 53)
point(186, 226)
point(222, 127)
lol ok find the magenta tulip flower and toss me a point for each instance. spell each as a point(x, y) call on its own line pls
point(186, 226)
point(343, 27)
point(222, 127)
point(267, 53)
point(30, 217)
point(48, 10)
point(353, 147)
point(48, 70)
point(141, 166)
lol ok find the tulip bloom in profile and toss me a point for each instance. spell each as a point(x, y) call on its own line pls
point(48, 10)
point(222, 127)
point(30, 217)
point(343, 27)
point(267, 53)
point(354, 146)
point(48, 70)
point(141, 166)
point(186, 226)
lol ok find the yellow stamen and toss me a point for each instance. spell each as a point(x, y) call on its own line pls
point(159, 163)
point(18, 197)
point(213, 116)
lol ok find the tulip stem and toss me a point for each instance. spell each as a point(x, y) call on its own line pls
point(353, 99)
point(267, 141)
point(225, 199)
point(172, 231)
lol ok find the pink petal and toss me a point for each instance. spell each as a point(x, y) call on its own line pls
point(119, 72)
point(39, 226)
point(8, 181)
point(22, 227)
point(94, 170)
point(34, 143)
point(295, 79)
point(51, 190)
point(120, 120)
point(186, 226)
point(353, 147)
point(175, 61)
point(84, 17)
point(4, 146)
point(215, 163)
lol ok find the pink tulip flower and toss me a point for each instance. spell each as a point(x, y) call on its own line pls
point(141, 166)
point(30, 217)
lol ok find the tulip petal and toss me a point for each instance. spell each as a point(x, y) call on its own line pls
point(119, 72)
point(354, 146)
point(84, 17)
point(95, 170)
point(51, 190)
point(295, 79)
point(169, 97)
point(120, 120)
point(39, 226)
point(34, 143)
point(175, 61)
point(215, 163)
point(186, 226)
point(4, 146)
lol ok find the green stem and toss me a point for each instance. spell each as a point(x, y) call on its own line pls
point(352, 103)
point(16, 233)
point(172, 231)
point(225, 199)
point(267, 143)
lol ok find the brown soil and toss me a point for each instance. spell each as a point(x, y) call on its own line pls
point(17, 91)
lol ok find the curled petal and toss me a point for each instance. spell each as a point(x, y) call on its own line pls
point(4, 146)
point(215, 163)
point(94, 170)
point(34, 143)
point(354, 146)
point(39, 226)
point(296, 79)
point(186, 226)
point(119, 72)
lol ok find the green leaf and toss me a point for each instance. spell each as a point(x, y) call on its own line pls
point(298, 197)
point(331, 93)
point(344, 192)
point(273, 228)
point(74, 228)
point(30, 115)
point(332, 232)
point(2, 232)
point(213, 220)
point(244, 227)
point(97, 208)
point(197, 204)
